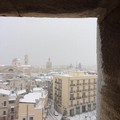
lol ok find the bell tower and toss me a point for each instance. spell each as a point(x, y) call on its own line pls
point(26, 59)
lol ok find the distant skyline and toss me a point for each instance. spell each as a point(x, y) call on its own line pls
point(66, 41)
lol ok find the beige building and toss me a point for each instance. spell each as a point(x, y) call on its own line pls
point(33, 106)
point(16, 68)
point(8, 105)
point(74, 92)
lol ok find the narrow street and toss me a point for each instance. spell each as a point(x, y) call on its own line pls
point(51, 116)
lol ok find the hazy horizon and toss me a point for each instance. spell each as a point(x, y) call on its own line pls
point(66, 41)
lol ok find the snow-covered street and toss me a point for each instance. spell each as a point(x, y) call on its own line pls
point(84, 116)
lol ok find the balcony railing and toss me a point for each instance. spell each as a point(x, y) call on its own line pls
point(4, 114)
point(59, 95)
point(92, 95)
point(78, 97)
point(12, 112)
point(71, 105)
point(72, 84)
point(89, 89)
point(72, 91)
point(85, 83)
point(72, 98)
point(92, 83)
point(84, 96)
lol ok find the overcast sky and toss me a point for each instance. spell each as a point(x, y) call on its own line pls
point(65, 41)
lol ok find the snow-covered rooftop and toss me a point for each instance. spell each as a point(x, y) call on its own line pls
point(37, 89)
point(12, 96)
point(25, 65)
point(21, 92)
point(38, 80)
point(32, 97)
point(65, 75)
point(4, 92)
point(5, 83)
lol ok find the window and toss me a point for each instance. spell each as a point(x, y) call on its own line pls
point(84, 101)
point(71, 96)
point(71, 103)
point(71, 82)
point(4, 103)
point(83, 95)
point(71, 89)
point(11, 102)
point(4, 118)
point(10, 70)
point(83, 81)
point(30, 118)
point(12, 109)
point(83, 87)
point(89, 80)
point(4, 112)
point(12, 117)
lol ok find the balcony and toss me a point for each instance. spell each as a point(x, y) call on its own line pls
point(84, 96)
point(92, 82)
point(71, 105)
point(59, 88)
point(74, 104)
point(85, 89)
point(4, 106)
point(72, 98)
point(89, 89)
point(12, 112)
point(72, 91)
point(78, 97)
point(4, 114)
point(85, 83)
point(55, 87)
point(92, 95)
point(59, 95)
point(72, 84)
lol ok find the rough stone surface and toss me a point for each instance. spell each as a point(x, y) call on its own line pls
point(110, 81)
point(52, 8)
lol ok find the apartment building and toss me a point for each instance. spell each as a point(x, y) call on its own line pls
point(34, 105)
point(74, 93)
point(8, 105)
